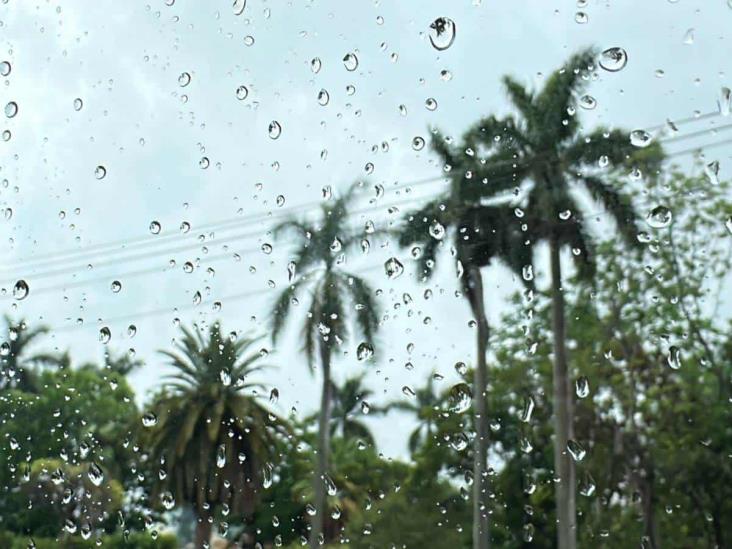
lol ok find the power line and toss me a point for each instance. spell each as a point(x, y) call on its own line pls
point(145, 241)
point(240, 221)
point(246, 235)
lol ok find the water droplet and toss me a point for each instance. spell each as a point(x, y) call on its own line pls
point(116, 286)
point(100, 172)
point(364, 351)
point(266, 248)
point(393, 268)
point(365, 407)
point(459, 441)
point(249, 40)
point(238, 6)
point(442, 33)
point(167, 499)
point(78, 104)
point(418, 143)
point(582, 387)
point(149, 419)
point(689, 37)
point(528, 409)
point(659, 217)
point(528, 532)
point(430, 103)
point(221, 456)
point(225, 377)
point(460, 398)
point(587, 102)
point(640, 138)
point(315, 65)
point(576, 450)
point(155, 227)
point(11, 109)
point(581, 17)
point(95, 474)
point(274, 130)
point(437, 230)
point(184, 79)
point(242, 92)
point(350, 61)
point(674, 357)
point(274, 395)
point(613, 59)
point(587, 485)
point(712, 172)
point(323, 97)
point(527, 272)
point(724, 100)
point(5, 68)
point(131, 330)
point(20, 290)
point(105, 335)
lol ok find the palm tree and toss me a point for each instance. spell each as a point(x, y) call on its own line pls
point(426, 407)
point(19, 367)
point(481, 233)
point(319, 255)
point(542, 144)
point(350, 399)
point(211, 434)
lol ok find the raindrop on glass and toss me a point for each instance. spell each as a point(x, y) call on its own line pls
point(442, 33)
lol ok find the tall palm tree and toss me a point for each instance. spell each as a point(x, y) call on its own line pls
point(319, 256)
point(210, 433)
point(481, 234)
point(542, 144)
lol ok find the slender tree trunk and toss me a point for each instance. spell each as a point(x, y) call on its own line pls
point(481, 533)
point(323, 449)
point(203, 532)
point(563, 414)
point(650, 529)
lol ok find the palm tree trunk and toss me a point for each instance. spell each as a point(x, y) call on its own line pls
point(203, 532)
point(563, 414)
point(323, 448)
point(481, 534)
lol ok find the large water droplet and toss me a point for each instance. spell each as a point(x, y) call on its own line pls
point(11, 109)
point(582, 387)
point(364, 351)
point(528, 409)
point(437, 230)
point(167, 499)
point(460, 398)
point(393, 268)
point(242, 92)
point(105, 335)
point(95, 474)
point(576, 450)
point(274, 130)
point(674, 357)
point(100, 172)
point(149, 419)
point(5, 68)
point(350, 61)
point(711, 170)
point(659, 217)
point(20, 290)
point(613, 59)
point(238, 6)
point(640, 138)
point(323, 97)
point(184, 79)
point(442, 33)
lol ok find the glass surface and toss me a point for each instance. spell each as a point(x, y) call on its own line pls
point(367, 274)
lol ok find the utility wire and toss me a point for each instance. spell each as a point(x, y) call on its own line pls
point(240, 221)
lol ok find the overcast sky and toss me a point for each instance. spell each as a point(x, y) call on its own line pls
point(124, 61)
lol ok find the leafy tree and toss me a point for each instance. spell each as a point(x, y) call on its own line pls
point(210, 433)
point(349, 399)
point(319, 255)
point(74, 415)
point(542, 144)
point(426, 406)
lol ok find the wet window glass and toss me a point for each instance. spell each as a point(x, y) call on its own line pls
point(370, 274)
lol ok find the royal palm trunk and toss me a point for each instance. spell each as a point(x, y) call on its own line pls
point(563, 415)
point(323, 449)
